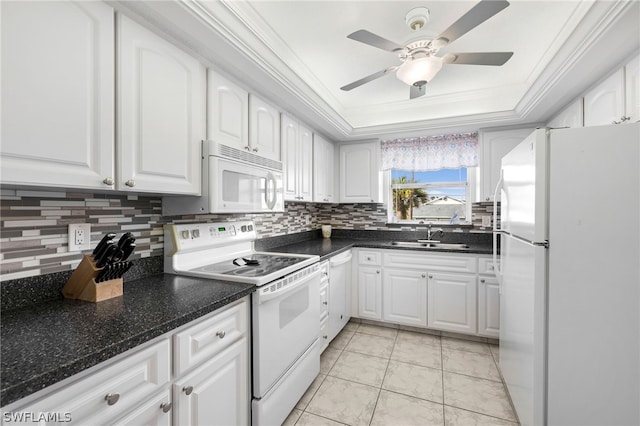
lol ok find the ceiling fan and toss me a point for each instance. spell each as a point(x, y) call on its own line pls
point(419, 61)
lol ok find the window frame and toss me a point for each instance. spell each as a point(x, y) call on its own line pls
point(471, 191)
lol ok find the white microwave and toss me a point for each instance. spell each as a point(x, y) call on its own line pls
point(233, 181)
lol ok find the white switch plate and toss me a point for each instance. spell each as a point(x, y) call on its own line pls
point(79, 236)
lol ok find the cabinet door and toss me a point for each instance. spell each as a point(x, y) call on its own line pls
point(155, 411)
point(571, 116)
point(494, 146)
point(322, 170)
point(405, 296)
point(57, 94)
point(369, 293)
point(264, 128)
point(452, 302)
point(632, 89)
point(228, 112)
point(217, 393)
point(305, 164)
point(488, 307)
point(290, 134)
point(604, 104)
point(161, 104)
point(359, 173)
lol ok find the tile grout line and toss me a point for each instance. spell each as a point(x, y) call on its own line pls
point(375, 406)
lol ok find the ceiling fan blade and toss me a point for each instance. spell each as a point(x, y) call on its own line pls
point(417, 91)
point(367, 79)
point(477, 58)
point(474, 17)
point(367, 37)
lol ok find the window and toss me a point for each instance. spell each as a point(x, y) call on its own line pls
point(431, 196)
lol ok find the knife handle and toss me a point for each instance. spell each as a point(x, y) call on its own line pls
point(107, 237)
point(127, 250)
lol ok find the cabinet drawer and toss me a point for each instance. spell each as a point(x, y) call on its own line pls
point(324, 272)
point(200, 342)
point(324, 300)
point(432, 262)
point(369, 257)
point(125, 385)
point(485, 266)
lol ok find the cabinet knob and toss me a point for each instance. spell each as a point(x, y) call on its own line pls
point(482, 280)
point(188, 389)
point(488, 199)
point(424, 275)
point(325, 303)
point(108, 180)
point(112, 398)
point(325, 337)
point(130, 183)
point(166, 407)
point(325, 199)
point(255, 149)
point(377, 271)
point(221, 334)
point(430, 276)
point(248, 148)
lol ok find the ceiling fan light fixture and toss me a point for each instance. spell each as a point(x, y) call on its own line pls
point(421, 69)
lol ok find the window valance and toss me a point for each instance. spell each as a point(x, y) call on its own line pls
point(450, 151)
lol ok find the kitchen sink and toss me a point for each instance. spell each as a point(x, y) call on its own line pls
point(448, 246)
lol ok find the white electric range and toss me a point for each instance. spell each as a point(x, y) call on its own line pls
point(285, 306)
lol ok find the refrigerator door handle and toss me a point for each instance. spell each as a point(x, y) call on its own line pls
point(497, 231)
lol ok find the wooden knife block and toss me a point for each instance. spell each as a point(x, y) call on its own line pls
point(82, 283)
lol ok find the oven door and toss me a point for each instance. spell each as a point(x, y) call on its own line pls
point(238, 187)
point(285, 324)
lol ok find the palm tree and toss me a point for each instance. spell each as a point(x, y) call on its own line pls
point(405, 199)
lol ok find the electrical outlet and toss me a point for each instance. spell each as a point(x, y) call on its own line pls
point(79, 236)
point(486, 221)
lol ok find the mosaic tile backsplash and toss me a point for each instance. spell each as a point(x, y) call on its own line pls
point(33, 227)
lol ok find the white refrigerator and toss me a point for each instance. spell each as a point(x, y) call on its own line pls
point(569, 274)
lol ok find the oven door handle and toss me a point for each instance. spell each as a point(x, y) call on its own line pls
point(265, 296)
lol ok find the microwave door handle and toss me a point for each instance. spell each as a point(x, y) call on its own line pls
point(270, 191)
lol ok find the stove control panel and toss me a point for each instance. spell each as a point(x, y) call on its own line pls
point(201, 235)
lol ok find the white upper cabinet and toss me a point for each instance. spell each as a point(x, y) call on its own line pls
point(494, 145)
point(297, 156)
point(571, 116)
point(360, 173)
point(228, 112)
point(264, 128)
point(632, 89)
point(322, 170)
point(604, 104)
point(57, 94)
point(161, 107)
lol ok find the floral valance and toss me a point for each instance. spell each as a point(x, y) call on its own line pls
point(431, 152)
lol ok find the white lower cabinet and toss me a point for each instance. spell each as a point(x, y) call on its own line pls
point(155, 411)
point(488, 307)
point(217, 392)
point(404, 293)
point(443, 291)
point(138, 388)
point(452, 302)
point(370, 292)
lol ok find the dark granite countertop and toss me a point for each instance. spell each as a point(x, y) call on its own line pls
point(326, 247)
point(48, 342)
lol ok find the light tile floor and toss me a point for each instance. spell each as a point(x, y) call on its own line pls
point(372, 375)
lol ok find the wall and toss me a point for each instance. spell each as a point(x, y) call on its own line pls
point(33, 224)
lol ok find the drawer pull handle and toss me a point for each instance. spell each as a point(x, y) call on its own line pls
point(325, 303)
point(112, 398)
point(188, 389)
point(221, 334)
point(166, 407)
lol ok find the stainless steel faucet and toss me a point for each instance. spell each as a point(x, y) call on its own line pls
point(431, 231)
